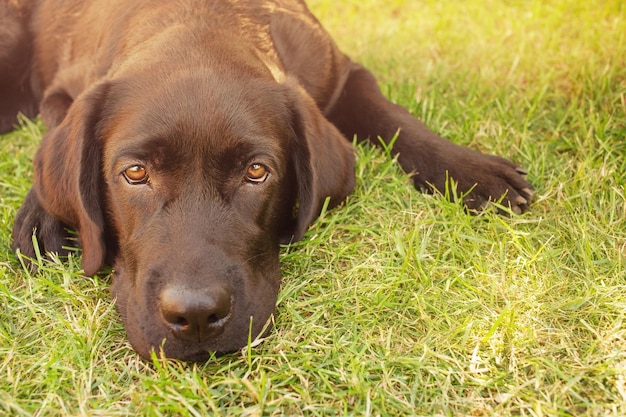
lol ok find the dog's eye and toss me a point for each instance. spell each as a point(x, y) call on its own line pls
point(257, 173)
point(136, 175)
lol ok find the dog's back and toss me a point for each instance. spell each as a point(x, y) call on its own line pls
point(15, 63)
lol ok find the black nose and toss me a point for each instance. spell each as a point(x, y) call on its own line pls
point(196, 315)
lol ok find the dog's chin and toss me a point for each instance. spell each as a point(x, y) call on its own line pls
point(161, 342)
point(148, 334)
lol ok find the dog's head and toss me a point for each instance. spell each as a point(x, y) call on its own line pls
point(188, 185)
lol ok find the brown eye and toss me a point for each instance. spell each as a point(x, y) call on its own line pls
point(257, 173)
point(136, 175)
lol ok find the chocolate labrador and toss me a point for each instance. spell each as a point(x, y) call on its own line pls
point(187, 139)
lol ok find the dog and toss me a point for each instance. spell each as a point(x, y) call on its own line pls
point(188, 139)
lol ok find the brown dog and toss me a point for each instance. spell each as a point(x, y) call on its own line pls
point(188, 138)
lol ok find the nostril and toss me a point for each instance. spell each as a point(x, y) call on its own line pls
point(179, 322)
point(195, 315)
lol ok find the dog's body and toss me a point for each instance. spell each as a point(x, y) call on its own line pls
point(188, 138)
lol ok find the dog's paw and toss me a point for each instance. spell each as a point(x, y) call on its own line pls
point(482, 180)
point(498, 180)
point(51, 235)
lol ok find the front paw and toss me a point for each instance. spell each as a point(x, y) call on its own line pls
point(498, 180)
point(51, 234)
point(482, 180)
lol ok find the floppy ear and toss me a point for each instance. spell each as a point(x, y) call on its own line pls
point(68, 179)
point(323, 160)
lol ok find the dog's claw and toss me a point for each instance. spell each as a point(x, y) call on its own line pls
point(521, 201)
point(528, 194)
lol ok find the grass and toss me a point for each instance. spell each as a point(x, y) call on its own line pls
point(396, 303)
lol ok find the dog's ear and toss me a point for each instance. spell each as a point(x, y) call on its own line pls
point(323, 160)
point(68, 179)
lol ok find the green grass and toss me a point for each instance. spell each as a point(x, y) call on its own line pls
point(396, 303)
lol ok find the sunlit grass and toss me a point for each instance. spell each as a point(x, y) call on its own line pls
point(396, 303)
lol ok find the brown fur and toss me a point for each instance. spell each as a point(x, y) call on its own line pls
point(199, 93)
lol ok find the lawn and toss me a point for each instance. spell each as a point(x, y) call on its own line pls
point(396, 303)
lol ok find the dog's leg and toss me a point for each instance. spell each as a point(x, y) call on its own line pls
point(361, 109)
point(52, 235)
